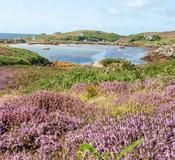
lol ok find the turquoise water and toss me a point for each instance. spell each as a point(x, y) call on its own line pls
point(86, 54)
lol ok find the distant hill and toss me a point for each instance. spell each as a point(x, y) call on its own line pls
point(88, 36)
point(166, 34)
point(80, 35)
point(100, 35)
point(149, 38)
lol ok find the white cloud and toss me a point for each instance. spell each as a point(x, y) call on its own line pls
point(112, 11)
point(137, 3)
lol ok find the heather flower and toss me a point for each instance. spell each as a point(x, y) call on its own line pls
point(35, 123)
point(121, 99)
point(170, 91)
point(148, 84)
point(19, 156)
point(34, 126)
point(112, 136)
point(140, 99)
point(79, 88)
point(146, 99)
point(115, 87)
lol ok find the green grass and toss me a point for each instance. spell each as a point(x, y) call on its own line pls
point(65, 79)
point(50, 79)
point(13, 56)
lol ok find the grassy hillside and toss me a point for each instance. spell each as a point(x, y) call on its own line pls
point(89, 35)
point(11, 56)
point(59, 79)
point(157, 38)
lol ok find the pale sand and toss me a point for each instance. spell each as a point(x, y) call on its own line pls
point(97, 64)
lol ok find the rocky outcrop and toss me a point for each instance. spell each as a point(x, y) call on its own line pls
point(162, 53)
point(168, 51)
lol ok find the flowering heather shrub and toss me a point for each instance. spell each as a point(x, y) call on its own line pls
point(107, 87)
point(120, 87)
point(146, 99)
point(170, 91)
point(122, 99)
point(18, 156)
point(158, 131)
point(40, 102)
point(140, 99)
point(79, 88)
point(34, 127)
point(35, 123)
point(148, 84)
point(115, 87)
point(166, 106)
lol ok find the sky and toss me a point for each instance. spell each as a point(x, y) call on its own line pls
point(119, 16)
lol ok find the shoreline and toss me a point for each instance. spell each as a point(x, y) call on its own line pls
point(146, 58)
point(85, 43)
point(95, 63)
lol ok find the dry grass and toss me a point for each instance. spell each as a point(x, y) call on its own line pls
point(65, 65)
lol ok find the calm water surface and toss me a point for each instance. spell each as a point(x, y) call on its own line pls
point(86, 54)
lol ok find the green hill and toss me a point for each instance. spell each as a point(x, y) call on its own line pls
point(80, 35)
point(149, 38)
point(11, 56)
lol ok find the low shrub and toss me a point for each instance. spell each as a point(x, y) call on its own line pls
point(35, 123)
point(109, 135)
point(136, 38)
point(156, 38)
point(118, 63)
point(91, 92)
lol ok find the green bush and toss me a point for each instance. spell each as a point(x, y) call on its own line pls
point(136, 38)
point(91, 92)
point(155, 38)
point(118, 63)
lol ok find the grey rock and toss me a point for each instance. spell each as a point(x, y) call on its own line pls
point(168, 51)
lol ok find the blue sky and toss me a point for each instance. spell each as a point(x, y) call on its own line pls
point(119, 16)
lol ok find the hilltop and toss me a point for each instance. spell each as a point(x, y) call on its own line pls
point(148, 39)
point(77, 36)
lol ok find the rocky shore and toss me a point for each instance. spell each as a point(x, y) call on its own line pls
point(163, 53)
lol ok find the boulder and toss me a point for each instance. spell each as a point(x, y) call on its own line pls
point(168, 51)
